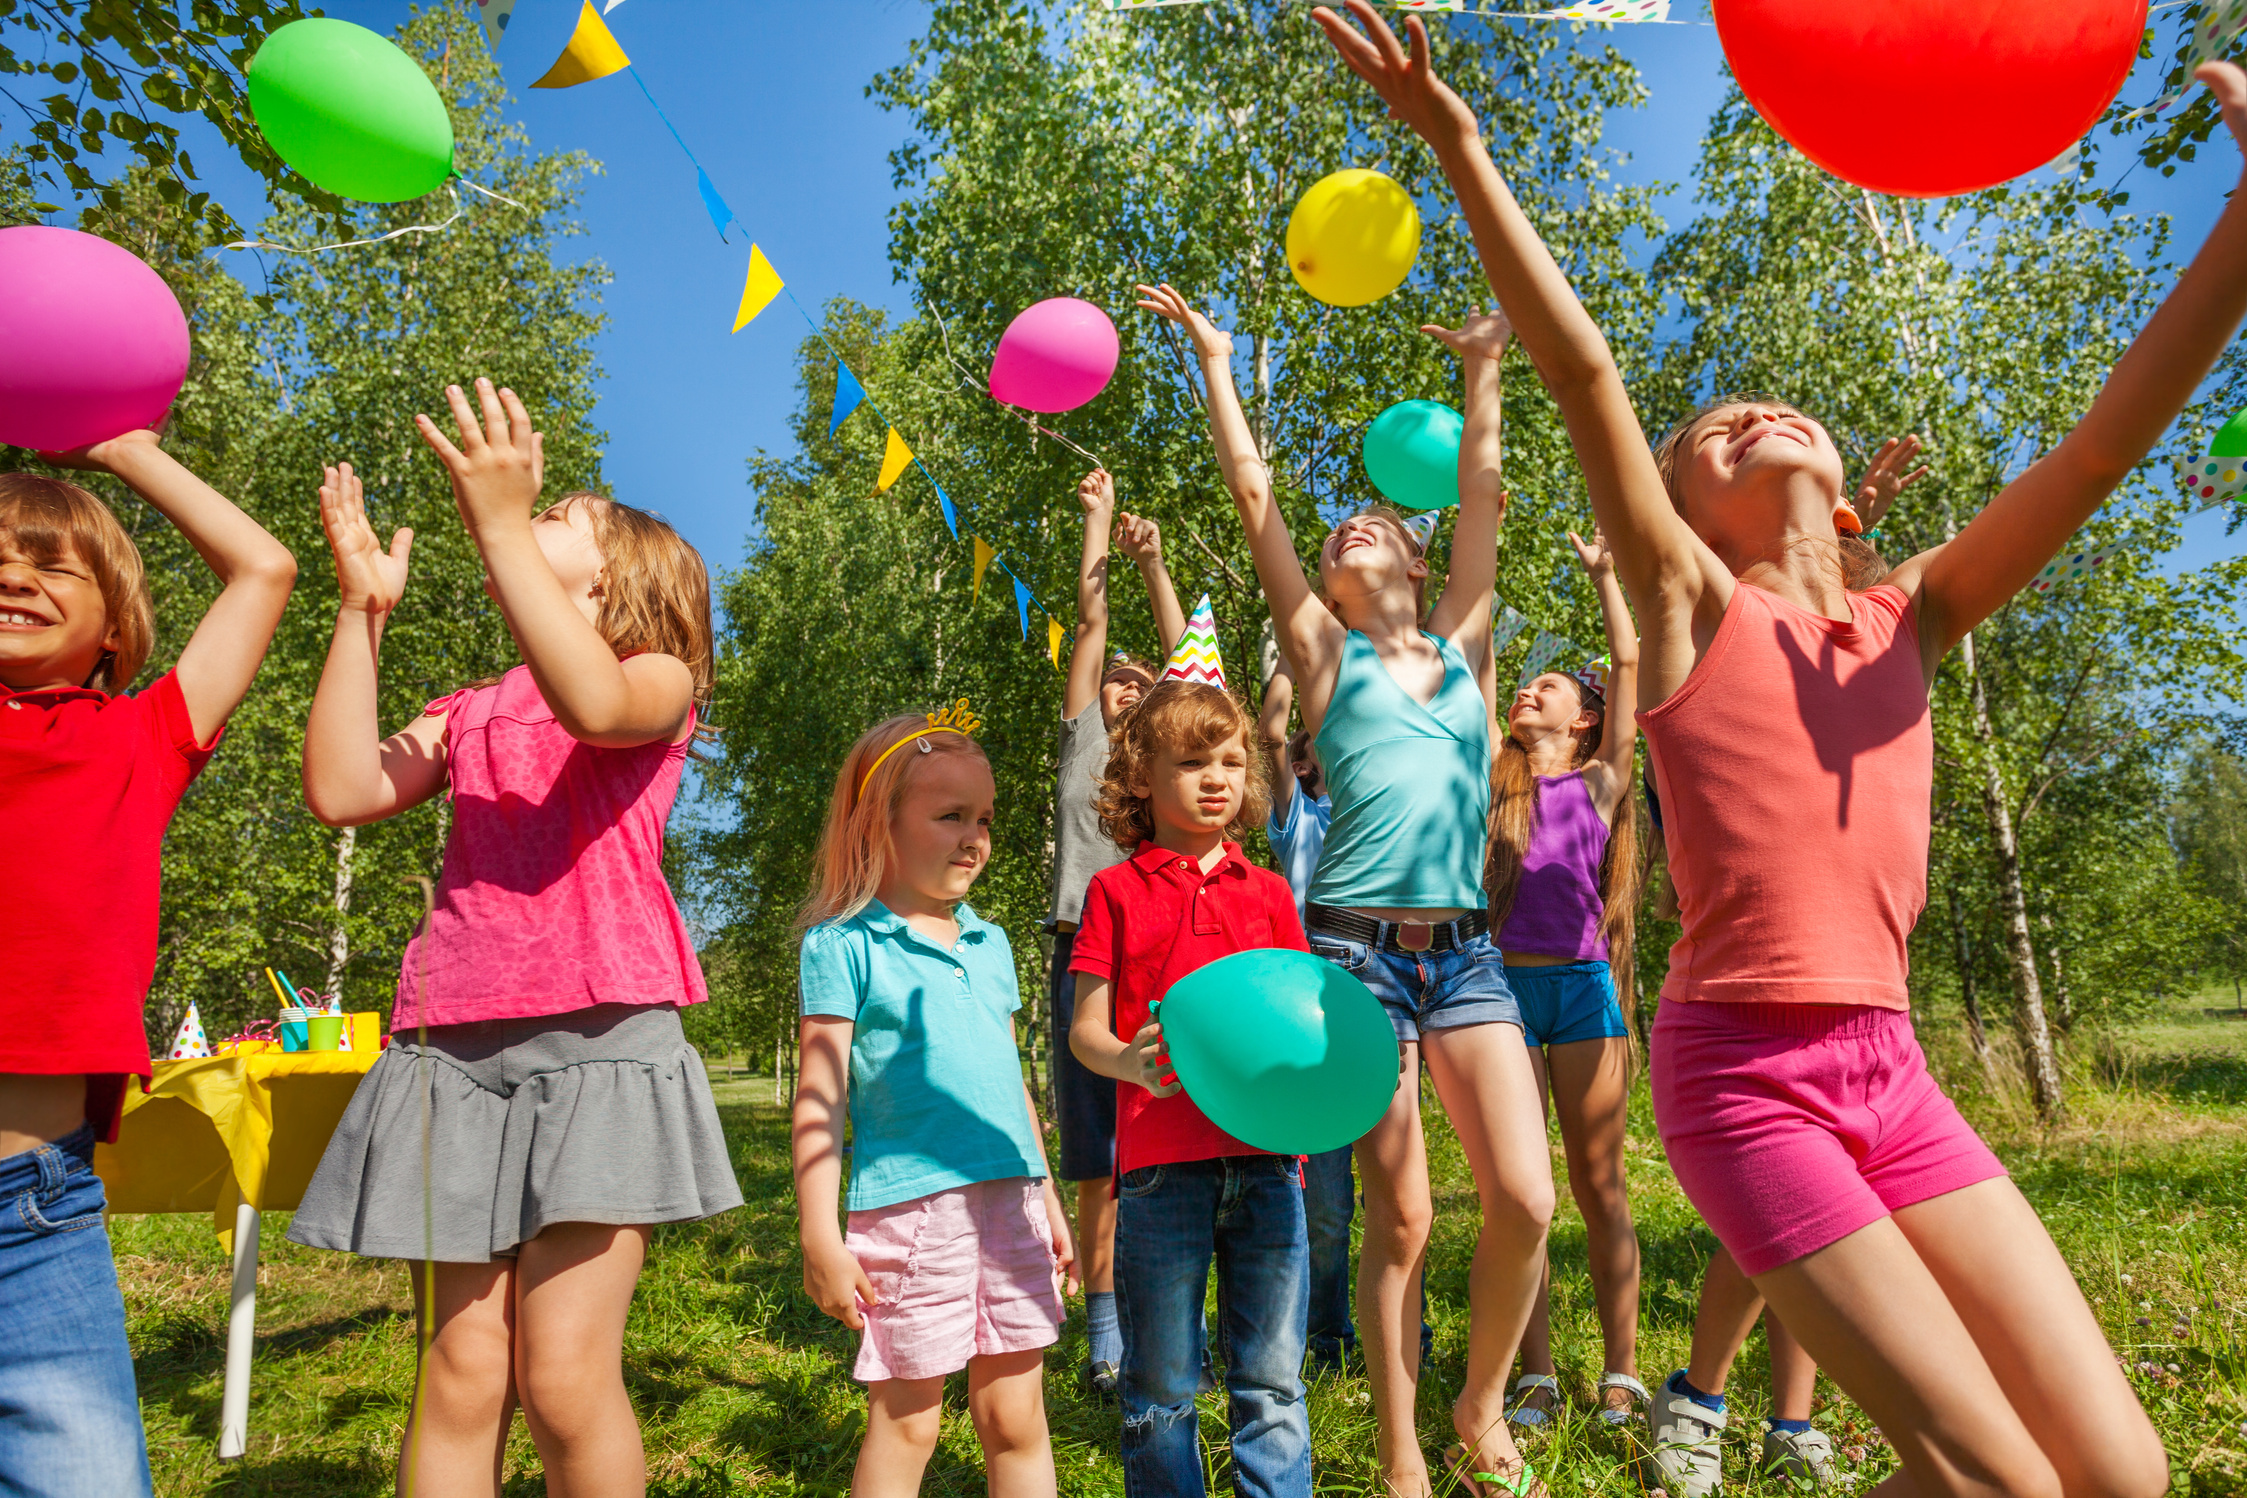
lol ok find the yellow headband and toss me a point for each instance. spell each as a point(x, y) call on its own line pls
point(958, 718)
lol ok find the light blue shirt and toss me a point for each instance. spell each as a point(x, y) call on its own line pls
point(1298, 841)
point(935, 1083)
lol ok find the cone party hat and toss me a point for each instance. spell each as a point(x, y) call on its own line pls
point(1196, 657)
point(190, 1043)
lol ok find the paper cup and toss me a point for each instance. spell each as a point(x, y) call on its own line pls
point(292, 1030)
point(324, 1032)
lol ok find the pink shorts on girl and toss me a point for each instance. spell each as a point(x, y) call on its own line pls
point(961, 1274)
point(1791, 1126)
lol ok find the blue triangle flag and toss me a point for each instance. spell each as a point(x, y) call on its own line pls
point(951, 516)
point(848, 395)
point(720, 214)
point(1022, 605)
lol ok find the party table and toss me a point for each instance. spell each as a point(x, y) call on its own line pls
point(231, 1135)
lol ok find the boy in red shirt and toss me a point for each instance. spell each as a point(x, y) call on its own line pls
point(94, 774)
point(1181, 776)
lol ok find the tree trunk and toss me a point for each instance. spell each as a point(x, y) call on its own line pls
point(1976, 1034)
point(1264, 396)
point(2012, 903)
point(779, 1050)
point(2063, 1009)
point(339, 940)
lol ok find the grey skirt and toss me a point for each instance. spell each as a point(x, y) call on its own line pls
point(599, 1115)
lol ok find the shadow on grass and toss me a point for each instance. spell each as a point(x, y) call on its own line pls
point(2207, 1078)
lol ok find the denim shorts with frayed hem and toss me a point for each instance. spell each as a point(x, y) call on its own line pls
point(1427, 990)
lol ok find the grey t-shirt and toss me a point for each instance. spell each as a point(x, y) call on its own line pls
point(1080, 848)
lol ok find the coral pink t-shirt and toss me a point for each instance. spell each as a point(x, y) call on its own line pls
point(552, 897)
point(1796, 767)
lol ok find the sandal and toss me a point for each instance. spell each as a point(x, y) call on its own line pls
point(1526, 1415)
point(1521, 1485)
point(1640, 1399)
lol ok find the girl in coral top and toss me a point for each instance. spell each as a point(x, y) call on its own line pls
point(1789, 724)
point(538, 1107)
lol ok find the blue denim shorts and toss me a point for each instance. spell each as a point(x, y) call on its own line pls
point(1572, 1002)
point(1427, 990)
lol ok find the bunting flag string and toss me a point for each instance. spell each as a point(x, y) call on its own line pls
point(1542, 652)
point(1614, 12)
point(2072, 564)
point(1508, 622)
point(590, 53)
point(1053, 634)
point(848, 396)
point(983, 554)
point(1021, 601)
point(896, 457)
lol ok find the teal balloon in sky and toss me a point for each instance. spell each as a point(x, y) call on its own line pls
point(1412, 454)
point(1281, 1049)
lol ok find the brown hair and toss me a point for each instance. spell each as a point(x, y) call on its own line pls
point(1178, 716)
point(1513, 818)
point(655, 589)
point(46, 518)
point(1381, 509)
point(854, 846)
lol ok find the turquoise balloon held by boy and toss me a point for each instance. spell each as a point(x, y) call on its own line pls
point(1183, 779)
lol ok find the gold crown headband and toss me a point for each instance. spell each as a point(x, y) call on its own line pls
point(959, 718)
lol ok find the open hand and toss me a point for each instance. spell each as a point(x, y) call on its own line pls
point(1165, 301)
point(500, 462)
point(96, 457)
point(1886, 478)
point(1065, 1277)
point(1483, 335)
point(1148, 1061)
point(1407, 84)
point(836, 1284)
point(1140, 539)
point(1096, 492)
point(370, 579)
point(2229, 84)
point(1598, 561)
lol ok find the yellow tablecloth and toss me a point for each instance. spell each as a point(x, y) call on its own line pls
point(209, 1134)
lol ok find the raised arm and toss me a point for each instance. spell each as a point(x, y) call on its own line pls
point(2002, 549)
point(1310, 635)
point(1462, 613)
point(832, 1278)
point(1659, 559)
point(1096, 496)
point(1608, 775)
point(597, 698)
point(352, 774)
point(221, 658)
point(1141, 539)
point(1271, 733)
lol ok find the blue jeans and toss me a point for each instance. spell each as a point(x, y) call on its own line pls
point(1246, 1211)
point(69, 1414)
point(1330, 1200)
point(1427, 990)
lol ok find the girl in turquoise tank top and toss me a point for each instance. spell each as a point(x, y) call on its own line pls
point(1403, 730)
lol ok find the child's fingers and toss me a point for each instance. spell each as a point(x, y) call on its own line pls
point(439, 443)
point(401, 545)
point(2229, 84)
point(464, 417)
point(496, 426)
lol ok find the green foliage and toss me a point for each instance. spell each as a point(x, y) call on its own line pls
point(2208, 822)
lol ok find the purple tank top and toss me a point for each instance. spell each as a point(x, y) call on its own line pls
point(1557, 905)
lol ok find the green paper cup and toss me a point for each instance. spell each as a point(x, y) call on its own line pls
point(324, 1032)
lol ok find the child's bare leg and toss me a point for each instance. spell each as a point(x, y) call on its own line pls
point(1794, 1373)
point(464, 1393)
point(1592, 1096)
point(1730, 1303)
point(1482, 1074)
point(573, 1289)
point(1393, 1165)
point(902, 1419)
point(1006, 1400)
point(1096, 1236)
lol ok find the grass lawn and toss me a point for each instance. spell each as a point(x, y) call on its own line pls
point(743, 1387)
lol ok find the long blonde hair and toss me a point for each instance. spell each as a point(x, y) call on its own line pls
point(655, 589)
point(854, 846)
point(1513, 821)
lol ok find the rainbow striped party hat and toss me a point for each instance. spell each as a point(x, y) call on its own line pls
point(1196, 657)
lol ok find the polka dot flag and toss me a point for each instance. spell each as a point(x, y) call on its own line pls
point(2219, 474)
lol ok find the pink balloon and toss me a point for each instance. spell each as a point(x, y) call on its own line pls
point(96, 343)
point(1057, 355)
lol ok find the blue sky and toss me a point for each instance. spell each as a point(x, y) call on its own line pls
point(772, 97)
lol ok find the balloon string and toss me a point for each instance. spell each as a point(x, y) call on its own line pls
point(487, 192)
point(458, 210)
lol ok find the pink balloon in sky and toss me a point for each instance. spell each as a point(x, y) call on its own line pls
point(95, 343)
point(1057, 355)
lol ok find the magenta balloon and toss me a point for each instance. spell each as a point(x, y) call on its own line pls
point(96, 344)
point(1057, 355)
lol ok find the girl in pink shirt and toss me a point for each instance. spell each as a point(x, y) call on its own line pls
point(539, 1106)
point(1789, 724)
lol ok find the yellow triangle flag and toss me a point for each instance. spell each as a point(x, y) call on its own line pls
point(592, 53)
point(895, 457)
point(983, 555)
point(757, 292)
point(1053, 642)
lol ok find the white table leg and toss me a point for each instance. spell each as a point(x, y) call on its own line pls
point(241, 1336)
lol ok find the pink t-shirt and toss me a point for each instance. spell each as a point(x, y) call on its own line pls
point(552, 897)
point(1796, 766)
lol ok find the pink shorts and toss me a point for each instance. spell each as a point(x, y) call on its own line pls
point(961, 1274)
point(1791, 1126)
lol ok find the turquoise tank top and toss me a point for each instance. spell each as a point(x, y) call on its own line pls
point(1410, 785)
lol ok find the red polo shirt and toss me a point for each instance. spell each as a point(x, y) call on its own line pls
point(91, 781)
point(1148, 922)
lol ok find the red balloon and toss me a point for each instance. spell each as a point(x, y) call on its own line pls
point(1924, 98)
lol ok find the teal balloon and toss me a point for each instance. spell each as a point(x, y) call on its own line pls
point(1412, 454)
point(1281, 1049)
point(351, 112)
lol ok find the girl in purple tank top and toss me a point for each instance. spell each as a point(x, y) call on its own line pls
point(1563, 881)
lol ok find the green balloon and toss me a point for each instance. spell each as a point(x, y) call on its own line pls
point(1281, 1049)
point(351, 112)
point(2231, 438)
point(1412, 454)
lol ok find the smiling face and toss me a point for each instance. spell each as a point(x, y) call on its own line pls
point(1548, 704)
point(1747, 472)
point(54, 624)
point(940, 833)
point(1365, 556)
point(1120, 691)
point(1196, 792)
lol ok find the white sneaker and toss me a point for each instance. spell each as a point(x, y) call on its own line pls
point(1803, 1455)
point(1688, 1455)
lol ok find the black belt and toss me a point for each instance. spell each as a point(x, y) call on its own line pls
point(1398, 936)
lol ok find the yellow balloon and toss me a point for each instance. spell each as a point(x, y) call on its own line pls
point(1353, 237)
